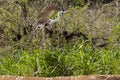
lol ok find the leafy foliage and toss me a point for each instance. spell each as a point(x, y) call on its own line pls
point(76, 60)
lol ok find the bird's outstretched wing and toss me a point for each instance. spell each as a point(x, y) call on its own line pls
point(44, 16)
point(47, 11)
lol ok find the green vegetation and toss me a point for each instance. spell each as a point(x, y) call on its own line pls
point(85, 41)
point(76, 60)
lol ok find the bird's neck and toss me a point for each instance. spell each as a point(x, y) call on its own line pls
point(58, 17)
point(55, 20)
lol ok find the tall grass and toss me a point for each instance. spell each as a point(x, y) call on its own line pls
point(75, 60)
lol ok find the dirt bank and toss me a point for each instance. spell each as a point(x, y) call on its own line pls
point(91, 77)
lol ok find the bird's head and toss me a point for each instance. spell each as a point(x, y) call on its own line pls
point(61, 12)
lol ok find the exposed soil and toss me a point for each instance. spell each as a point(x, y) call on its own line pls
point(90, 77)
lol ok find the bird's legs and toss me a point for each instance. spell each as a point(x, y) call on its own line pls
point(43, 36)
point(33, 32)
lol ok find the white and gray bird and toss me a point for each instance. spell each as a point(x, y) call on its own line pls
point(44, 20)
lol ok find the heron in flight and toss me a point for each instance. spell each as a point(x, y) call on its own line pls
point(44, 20)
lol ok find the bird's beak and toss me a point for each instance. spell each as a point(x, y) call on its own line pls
point(65, 11)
